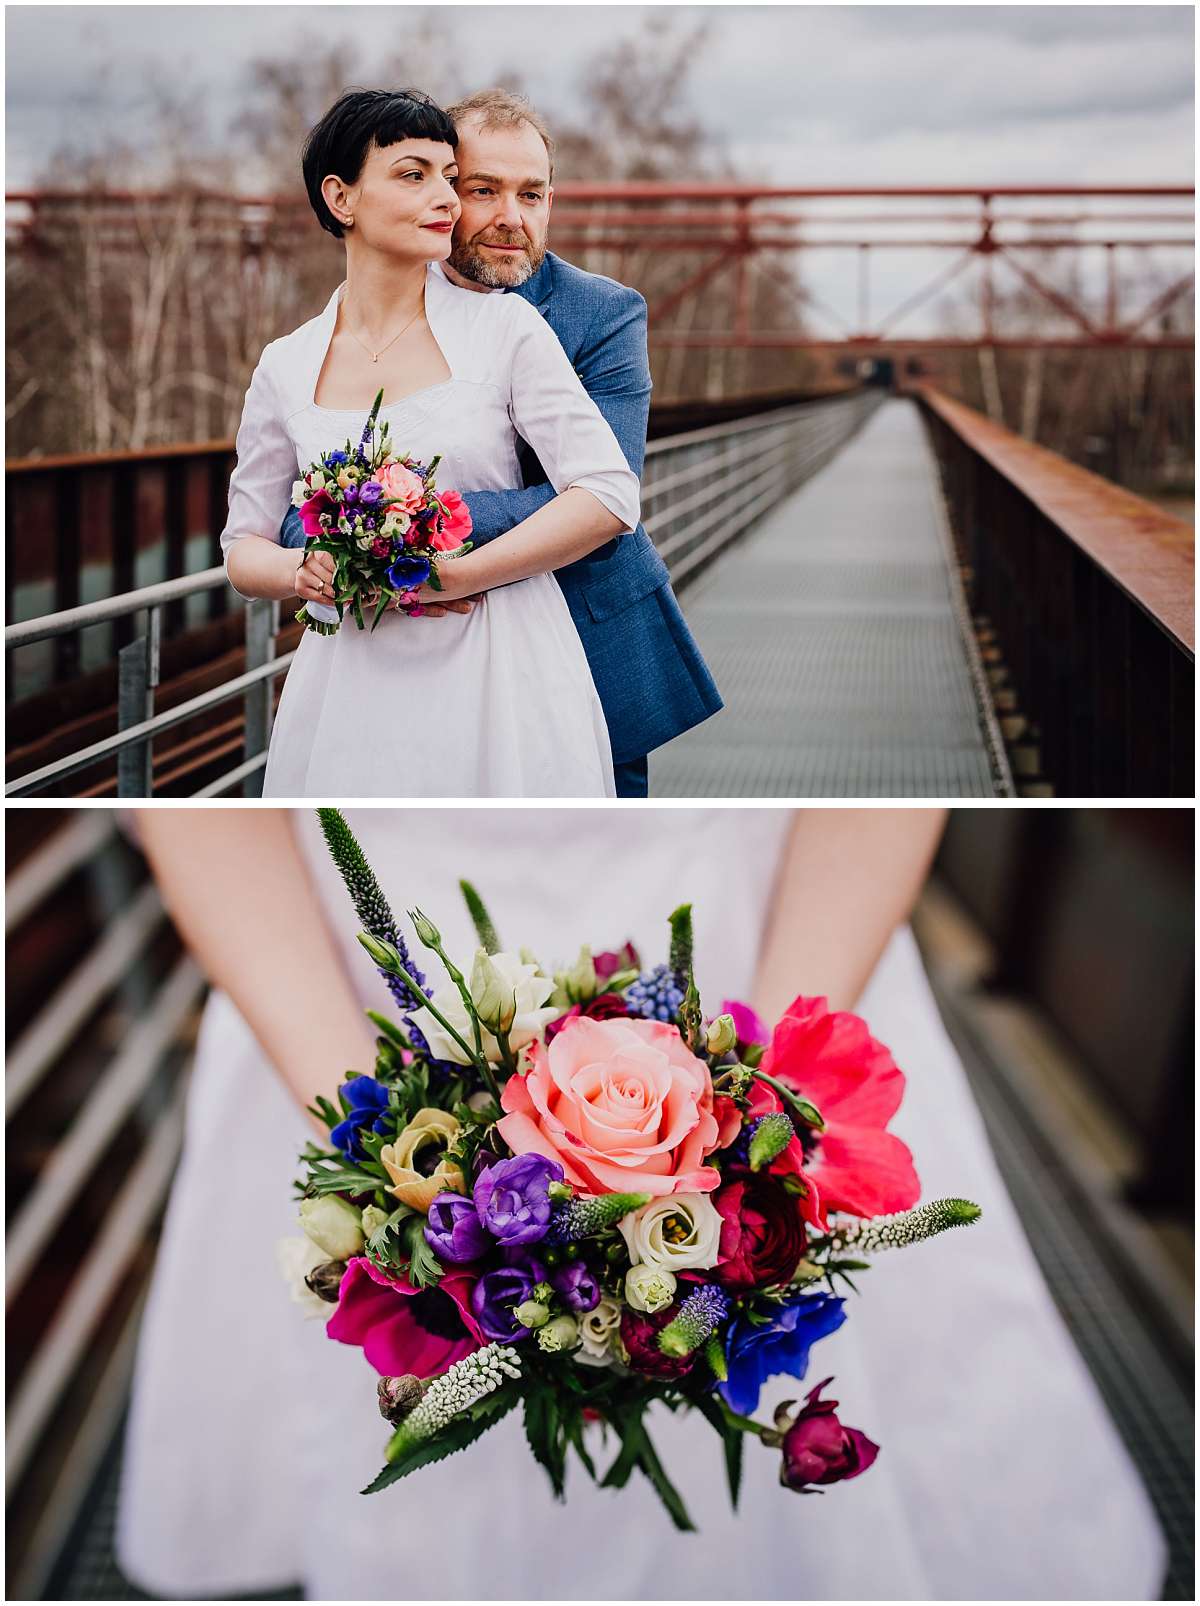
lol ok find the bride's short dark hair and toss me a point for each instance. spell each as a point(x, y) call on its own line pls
point(358, 119)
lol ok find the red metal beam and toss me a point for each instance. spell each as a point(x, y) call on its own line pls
point(783, 340)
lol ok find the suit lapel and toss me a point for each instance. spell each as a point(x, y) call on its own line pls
point(538, 288)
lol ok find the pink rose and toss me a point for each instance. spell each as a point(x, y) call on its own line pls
point(622, 1105)
point(453, 526)
point(403, 489)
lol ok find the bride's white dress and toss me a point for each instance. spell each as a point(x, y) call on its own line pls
point(1000, 1477)
point(499, 702)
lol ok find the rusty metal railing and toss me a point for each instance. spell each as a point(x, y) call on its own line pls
point(1089, 589)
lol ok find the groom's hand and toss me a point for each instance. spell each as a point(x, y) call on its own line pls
point(435, 610)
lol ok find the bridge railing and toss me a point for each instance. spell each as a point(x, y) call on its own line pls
point(1089, 589)
point(104, 1005)
point(701, 491)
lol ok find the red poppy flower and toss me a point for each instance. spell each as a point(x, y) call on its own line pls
point(832, 1059)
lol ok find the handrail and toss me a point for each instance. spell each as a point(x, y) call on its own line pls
point(1084, 591)
point(49, 625)
point(760, 458)
point(1146, 552)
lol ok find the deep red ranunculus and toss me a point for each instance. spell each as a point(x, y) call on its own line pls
point(639, 1334)
point(605, 1006)
point(832, 1059)
point(818, 1449)
point(762, 1234)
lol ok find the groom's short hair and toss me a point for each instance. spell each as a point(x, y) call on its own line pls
point(501, 108)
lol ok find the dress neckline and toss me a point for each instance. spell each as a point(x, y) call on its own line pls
point(361, 412)
point(431, 318)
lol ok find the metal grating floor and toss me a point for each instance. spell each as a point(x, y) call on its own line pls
point(835, 634)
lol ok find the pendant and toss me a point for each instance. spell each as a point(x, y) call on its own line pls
point(374, 356)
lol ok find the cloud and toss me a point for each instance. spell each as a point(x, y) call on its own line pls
point(807, 93)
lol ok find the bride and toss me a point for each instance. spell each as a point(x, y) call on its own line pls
point(1000, 1475)
point(496, 699)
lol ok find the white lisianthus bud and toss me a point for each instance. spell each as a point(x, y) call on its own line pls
point(562, 1333)
point(722, 1035)
point(581, 978)
point(495, 1002)
point(648, 1288)
point(529, 1022)
point(300, 494)
point(600, 1334)
point(678, 1232)
point(297, 1258)
point(333, 1225)
point(532, 1313)
point(372, 1219)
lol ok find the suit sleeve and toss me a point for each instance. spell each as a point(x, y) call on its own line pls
point(614, 365)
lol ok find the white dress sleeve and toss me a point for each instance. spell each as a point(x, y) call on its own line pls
point(553, 412)
point(260, 488)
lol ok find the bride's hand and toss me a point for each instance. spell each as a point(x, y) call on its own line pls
point(314, 576)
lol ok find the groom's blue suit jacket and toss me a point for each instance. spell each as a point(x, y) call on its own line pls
point(648, 671)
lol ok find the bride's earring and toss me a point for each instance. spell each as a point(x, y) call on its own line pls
point(348, 222)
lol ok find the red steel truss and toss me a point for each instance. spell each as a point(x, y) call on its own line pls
point(725, 234)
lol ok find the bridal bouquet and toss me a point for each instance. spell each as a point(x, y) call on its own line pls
point(575, 1194)
point(382, 520)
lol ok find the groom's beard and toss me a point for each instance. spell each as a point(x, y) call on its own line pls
point(497, 272)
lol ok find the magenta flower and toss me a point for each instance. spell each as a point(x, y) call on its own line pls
point(749, 1025)
point(401, 1328)
point(310, 513)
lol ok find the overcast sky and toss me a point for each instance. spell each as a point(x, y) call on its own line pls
point(800, 93)
point(796, 94)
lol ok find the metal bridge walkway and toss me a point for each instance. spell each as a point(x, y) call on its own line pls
point(837, 634)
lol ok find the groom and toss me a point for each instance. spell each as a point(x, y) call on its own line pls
point(650, 677)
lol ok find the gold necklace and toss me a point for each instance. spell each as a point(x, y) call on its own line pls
point(376, 355)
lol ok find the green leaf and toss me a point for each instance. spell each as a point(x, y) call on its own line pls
point(628, 1425)
point(574, 1431)
point(389, 1029)
point(461, 1432)
point(424, 1267)
point(324, 1179)
point(733, 1440)
point(542, 1430)
point(667, 1492)
point(381, 607)
point(325, 1111)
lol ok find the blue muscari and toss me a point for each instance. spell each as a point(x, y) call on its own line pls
point(779, 1348)
point(655, 995)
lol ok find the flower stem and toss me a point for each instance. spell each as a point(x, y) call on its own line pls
point(478, 1061)
point(746, 1423)
point(804, 1108)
